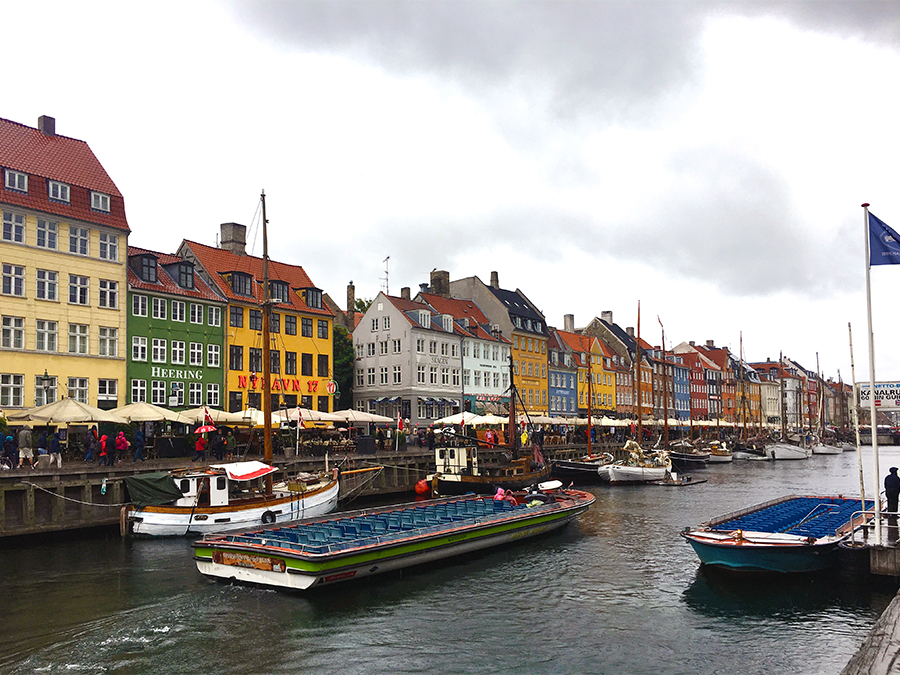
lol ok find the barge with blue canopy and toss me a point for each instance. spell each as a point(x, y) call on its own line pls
point(357, 544)
point(789, 534)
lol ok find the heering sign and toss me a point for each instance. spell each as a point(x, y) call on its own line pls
point(156, 371)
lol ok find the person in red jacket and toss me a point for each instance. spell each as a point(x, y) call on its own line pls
point(104, 457)
point(200, 449)
point(121, 446)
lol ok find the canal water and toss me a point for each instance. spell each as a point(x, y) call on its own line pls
point(617, 591)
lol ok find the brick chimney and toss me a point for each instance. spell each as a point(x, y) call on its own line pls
point(234, 238)
point(495, 280)
point(440, 283)
point(630, 331)
point(47, 126)
point(569, 323)
point(404, 293)
point(711, 344)
point(606, 316)
point(351, 298)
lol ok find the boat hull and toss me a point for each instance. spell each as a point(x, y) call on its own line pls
point(620, 474)
point(786, 451)
point(721, 459)
point(822, 449)
point(273, 564)
point(455, 484)
point(169, 521)
point(791, 534)
point(576, 470)
point(689, 460)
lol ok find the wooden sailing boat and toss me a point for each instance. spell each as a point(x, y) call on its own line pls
point(822, 448)
point(783, 449)
point(459, 468)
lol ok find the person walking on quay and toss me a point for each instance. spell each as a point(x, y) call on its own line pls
point(121, 447)
point(55, 454)
point(429, 437)
point(10, 456)
point(379, 435)
point(26, 452)
point(218, 446)
point(230, 445)
point(104, 456)
point(892, 492)
point(41, 447)
point(91, 443)
point(200, 449)
point(138, 445)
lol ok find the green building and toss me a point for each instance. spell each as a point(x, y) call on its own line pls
point(176, 333)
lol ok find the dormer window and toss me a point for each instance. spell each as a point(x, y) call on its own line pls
point(241, 283)
point(100, 202)
point(314, 298)
point(16, 180)
point(147, 269)
point(186, 275)
point(279, 291)
point(58, 192)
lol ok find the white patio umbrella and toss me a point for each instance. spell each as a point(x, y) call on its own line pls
point(66, 411)
point(147, 412)
point(468, 418)
point(290, 415)
point(217, 416)
point(491, 419)
point(359, 416)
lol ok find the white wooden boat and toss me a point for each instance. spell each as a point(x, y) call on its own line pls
point(640, 467)
point(826, 449)
point(719, 453)
point(221, 498)
point(787, 451)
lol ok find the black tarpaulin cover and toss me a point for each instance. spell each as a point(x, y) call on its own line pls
point(151, 489)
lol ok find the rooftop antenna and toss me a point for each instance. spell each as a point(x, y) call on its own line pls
point(387, 288)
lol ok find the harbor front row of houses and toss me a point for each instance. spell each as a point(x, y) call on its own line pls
point(85, 315)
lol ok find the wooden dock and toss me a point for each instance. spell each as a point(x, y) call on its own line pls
point(880, 651)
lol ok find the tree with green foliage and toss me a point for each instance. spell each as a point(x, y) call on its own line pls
point(362, 305)
point(344, 363)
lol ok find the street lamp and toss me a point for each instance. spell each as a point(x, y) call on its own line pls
point(46, 381)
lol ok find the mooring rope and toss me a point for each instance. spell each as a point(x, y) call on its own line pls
point(359, 487)
point(69, 499)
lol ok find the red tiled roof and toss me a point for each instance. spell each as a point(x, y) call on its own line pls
point(218, 262)
point(165, 283)
point(460, 308)
point(60, 158)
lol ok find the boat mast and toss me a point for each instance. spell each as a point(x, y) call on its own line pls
point(854, 412)
point(266, 349)
point(783, 408)
point(743, 386)
point(590, 358)
point(665, 386)
point(640, 406)
point(820, 407)
point(512, 439)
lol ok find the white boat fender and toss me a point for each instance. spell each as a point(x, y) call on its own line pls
point(268, 517)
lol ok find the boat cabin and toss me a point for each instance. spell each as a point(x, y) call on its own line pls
point(220, 485)
point(462, 460)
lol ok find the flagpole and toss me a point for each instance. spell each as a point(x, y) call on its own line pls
point(873, 421)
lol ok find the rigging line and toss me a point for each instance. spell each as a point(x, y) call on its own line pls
point(69, 499)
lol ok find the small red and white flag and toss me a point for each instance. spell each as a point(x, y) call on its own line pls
point(399, 421)
point(299, 418)
point(207, 418)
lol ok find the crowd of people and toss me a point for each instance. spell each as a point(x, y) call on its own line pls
point(23, 448)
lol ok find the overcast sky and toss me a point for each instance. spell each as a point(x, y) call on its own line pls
point(708, 159)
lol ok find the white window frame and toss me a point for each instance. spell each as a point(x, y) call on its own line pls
point(196, 313)
point(16, 180)
point(47, 234)
point(13, 280)
point(178, 352)
point(195, 394)
point(213, 355)
point(108, 344)
point(138, 348)
point(139, 305)
point(158, 392)
point(13, 227)
point(46, 335)
point(178, 311)
point(12, 390)
point(158, 350)
point(195, 354)
point(212, 394)
point(80, 288)
point(107, 389)
point(108, 294)
point(159, 308)
point(79, 240)
point(61, 191)
point(138, 391)
point(79, 338)
point(79, 389)
point(214, 316)
point(99, 201)
point(109, 246)
point(42, 397)
point(13, 332)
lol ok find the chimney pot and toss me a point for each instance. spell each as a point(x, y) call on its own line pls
point(495, 280)
point(440, 283)
point(47, 125)
point(606, 316)
point(351, 298)
point(711, 344)
point(630, 331)
point(404, 293)
point(569, 323)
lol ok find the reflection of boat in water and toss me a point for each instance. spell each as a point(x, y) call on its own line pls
point(640, 466)
point(358, 544)
point(789, 534)
point(221, 498)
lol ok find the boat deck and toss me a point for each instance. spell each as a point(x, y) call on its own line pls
point(365, 529)
point(803, 516)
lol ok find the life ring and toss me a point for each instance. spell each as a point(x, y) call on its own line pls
point(268, 517)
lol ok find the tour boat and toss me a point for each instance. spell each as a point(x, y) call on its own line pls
point(460, 470)
point(789, 534)
point(357, 544)
point(222, 497)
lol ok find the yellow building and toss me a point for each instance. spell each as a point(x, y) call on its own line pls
point(594, 362)
point(301, 368)
point(63, 253)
